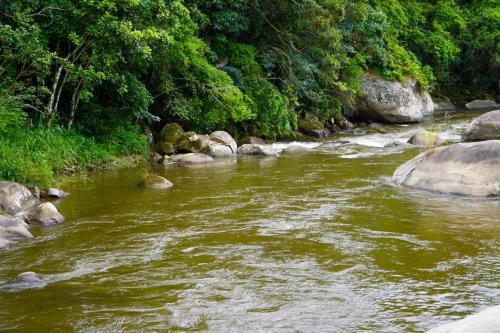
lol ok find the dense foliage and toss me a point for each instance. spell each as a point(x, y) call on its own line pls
point(102, 68)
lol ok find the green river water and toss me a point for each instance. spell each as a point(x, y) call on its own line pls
point(305, 243)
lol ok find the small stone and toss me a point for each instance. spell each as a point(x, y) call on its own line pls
point(484, 104)
point(53, 193)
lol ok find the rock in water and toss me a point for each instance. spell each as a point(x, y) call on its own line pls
point(486, 321)
point(257, 150)
point(426, 138)
point(46, 214)
point(192, 158)
point(485, 127)
point(28, 277)
point(471, 169)
point(155, 182)
point(297, 149)
point(482, 105)
point(313, 128)
point(225, 138)
point(393, 101)
point(218, 150)
point(445, 106)
point(53, 193)
point(15, 198)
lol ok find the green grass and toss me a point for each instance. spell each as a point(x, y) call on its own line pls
point(39, 156)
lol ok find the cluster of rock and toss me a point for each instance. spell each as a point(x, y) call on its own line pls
point(177, 146)
point(20, 207)
point(468, 168)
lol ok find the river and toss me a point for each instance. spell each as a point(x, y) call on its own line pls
point(316, 242)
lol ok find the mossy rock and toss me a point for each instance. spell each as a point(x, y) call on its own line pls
point(166, 148)
point(313, 128)
point(155, 182)
point(171, 133)
point(190, 142)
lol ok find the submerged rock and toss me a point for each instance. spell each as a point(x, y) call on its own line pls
point(482, 105)
point(426, 138)
point(46, 214)
point(485, 127)
point(486, 321)
point(257, 150)
point(15, 198)
point(471, 169)
point(192, 158)
point(393, 101)
point(155, 182)
point(297, 149)
point(28, 277)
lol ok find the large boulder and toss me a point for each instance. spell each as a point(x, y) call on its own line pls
point(257, 150)
point(218, 150)
point(155, 182)
point(393, 101)
point(14, 227)
point(190, 142)
point(485, 127)
point(226, 139)
point(171, 133)
point(46, 214)
point(483, 104)
point(471, 169)
point(15, 198)
point(486, 321)
point(426, 138)
point(191, 158)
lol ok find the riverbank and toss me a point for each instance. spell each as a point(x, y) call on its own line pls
point(46, 157)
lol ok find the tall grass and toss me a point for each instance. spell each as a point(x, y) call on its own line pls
point(38, 156)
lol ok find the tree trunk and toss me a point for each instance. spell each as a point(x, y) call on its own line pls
point(50, 109)
point(75, 98)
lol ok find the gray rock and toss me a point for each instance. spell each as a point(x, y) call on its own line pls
point(46, 214)
point(485, 127)
point(486, 321)
point(257, 150)
point(426, 138)
point(192, 158)
point(445, 106)
point(358, 131)
point(470, 169)
point(219, 150)
point(155, 182)
point(226, 139)
point(482, 105)
point(297, 149)
point(14, 228)
point(393, 101)
point(28, 277)
point(252, 140)
point(53, 193)
point(15, 198)
point(397, 144)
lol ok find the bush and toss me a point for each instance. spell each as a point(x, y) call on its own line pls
point(37, 156)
